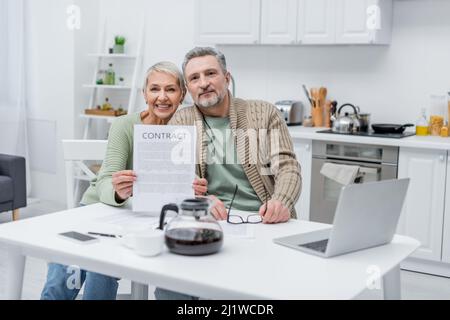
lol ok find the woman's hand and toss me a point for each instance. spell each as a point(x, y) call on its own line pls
point(122, 182)
point(200, 187)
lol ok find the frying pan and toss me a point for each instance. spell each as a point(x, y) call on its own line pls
point(390, 128)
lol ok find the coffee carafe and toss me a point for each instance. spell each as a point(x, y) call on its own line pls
point(194, 231)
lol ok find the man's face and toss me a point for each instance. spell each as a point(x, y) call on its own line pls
point(206, 81)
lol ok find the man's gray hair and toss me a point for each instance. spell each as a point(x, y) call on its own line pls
point(166, 67)
point(205, 51)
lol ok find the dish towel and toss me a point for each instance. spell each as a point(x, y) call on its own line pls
point(343, 174)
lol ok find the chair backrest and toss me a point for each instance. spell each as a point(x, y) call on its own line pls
point(75, 153)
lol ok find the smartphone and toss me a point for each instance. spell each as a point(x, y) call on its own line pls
point(78, 237)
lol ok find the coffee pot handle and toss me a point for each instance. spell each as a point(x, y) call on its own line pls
point(167, 207)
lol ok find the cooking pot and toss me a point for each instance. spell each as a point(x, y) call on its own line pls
point(348, 123)
point(390, 128)
point(364, 120)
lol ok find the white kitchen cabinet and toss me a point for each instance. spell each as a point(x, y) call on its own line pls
point(303, 151)
point(227, 22)
point(422, 215)
point(279, 22)
point(316, 22)
point(446, 228)
point(363, 21)
point(293, 21)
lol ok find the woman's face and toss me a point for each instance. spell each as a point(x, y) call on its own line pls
point(163, 94)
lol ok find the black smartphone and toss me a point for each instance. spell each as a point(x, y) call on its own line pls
point(78, 237)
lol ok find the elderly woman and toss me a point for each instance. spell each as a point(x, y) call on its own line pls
point(164, 90)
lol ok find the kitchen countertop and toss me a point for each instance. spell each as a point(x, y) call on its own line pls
point(427, 142)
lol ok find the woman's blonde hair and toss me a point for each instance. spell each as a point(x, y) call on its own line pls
point(166, 67)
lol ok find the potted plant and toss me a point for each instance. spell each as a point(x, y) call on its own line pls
point(119, 44)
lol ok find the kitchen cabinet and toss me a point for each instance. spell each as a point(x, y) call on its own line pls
point(227, 22)
point(363, 21)
point(423, 211)
point(303, 151)
point(279, 21)
point(446, 228)
point(293, 21)
point(316, 22)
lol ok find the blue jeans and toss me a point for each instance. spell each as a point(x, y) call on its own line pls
point(163, 294)
point(64, 283)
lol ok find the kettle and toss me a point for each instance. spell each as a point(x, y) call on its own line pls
point(348, 123)
point(194, 231)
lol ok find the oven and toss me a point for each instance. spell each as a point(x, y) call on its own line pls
point(376, 163)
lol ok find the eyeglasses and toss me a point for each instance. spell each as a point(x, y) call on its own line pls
point(235, 219)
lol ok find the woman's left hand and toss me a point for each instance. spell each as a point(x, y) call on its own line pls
point(200, 187)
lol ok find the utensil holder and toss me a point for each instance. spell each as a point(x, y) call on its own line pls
point(317, 116)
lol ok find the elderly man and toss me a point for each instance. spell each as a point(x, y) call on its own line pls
point(244, 148)
point(243, 143)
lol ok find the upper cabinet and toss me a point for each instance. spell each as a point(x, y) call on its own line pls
point(279, 22)
point(363, 21)
point(227, 22)
point(293, 21)
point(316, 22)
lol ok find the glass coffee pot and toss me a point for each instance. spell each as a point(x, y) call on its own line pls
point(194, 231)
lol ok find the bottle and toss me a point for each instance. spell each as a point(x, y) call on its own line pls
point(107, 106)
point(110, 76)
point(422, 124)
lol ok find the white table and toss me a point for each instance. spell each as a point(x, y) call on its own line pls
point(244, 268)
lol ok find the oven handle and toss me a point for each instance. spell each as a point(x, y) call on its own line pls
point(352, 161)
point(363, 165)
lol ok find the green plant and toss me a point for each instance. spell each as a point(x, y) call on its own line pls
point(120, 40)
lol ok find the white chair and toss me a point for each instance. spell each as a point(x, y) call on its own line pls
point(75, 153)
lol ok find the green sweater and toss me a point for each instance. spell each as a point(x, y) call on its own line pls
point(119, 156)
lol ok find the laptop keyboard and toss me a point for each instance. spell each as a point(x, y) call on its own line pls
point(320, 246)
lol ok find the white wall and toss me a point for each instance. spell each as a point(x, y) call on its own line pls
point(50, 94)
point(169, 29)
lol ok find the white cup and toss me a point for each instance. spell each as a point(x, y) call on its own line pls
point(146, 243)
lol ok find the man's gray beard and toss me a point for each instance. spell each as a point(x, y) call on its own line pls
point(211, 102)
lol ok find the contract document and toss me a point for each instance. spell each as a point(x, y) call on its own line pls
point(164, 162)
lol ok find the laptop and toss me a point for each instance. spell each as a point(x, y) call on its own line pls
point(366, 216)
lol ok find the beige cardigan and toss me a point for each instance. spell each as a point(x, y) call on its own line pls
point(259, 120)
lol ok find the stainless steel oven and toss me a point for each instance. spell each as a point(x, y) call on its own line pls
point(376, 163)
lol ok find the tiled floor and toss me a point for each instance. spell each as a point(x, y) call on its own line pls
point(414, 285)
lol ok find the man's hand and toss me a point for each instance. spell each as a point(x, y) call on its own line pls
point(218, 209)
point(276, 212)
point(200, 187)
point(122, 182)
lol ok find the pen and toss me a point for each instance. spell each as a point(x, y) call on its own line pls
point(104, 235)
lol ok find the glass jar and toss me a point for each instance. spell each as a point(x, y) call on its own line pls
point(438, 106)
point(307, 121)
point(448, 109)
point(422, 124)
point(101, 77)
